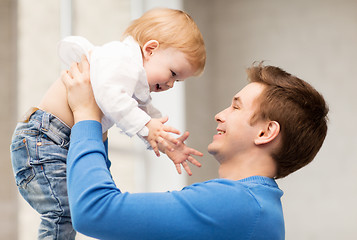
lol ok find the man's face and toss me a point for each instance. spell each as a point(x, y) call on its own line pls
point(235, 134)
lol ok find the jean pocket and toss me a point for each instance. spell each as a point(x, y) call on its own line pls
point(20, 160)
point(24, 177)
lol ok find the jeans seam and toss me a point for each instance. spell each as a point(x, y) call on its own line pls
point(59, 203)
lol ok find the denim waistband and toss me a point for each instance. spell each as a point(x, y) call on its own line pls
point(52, 126)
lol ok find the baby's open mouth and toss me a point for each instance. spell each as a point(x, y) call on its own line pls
point(158, 87)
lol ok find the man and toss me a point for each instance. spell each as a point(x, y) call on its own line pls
point(274, 126)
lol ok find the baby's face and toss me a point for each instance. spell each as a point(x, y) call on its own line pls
point(166, 66)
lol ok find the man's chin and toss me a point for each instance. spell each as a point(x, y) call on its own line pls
point(211, 149)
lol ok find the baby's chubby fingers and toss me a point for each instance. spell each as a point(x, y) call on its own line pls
point(178, 168)
point(163, 120)
point(171, 129)
point(155, 147)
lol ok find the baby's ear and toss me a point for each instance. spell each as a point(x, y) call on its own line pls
point(150, 47)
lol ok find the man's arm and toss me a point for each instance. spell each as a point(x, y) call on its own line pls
point(99, 209)
point(218, 209)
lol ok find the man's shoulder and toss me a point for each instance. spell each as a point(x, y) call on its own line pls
point(253, 191)
point(220, 188)
point(240, 207)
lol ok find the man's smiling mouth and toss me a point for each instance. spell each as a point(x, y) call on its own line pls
point(220, 132)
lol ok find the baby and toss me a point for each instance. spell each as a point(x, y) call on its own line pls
point(159, 48)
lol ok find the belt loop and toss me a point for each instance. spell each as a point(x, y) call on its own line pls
point(45, 122)
point(65, 144)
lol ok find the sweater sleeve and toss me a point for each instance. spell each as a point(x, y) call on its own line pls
point(108, 162)
point(99, 209)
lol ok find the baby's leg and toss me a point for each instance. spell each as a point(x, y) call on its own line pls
point(51, 200)
point(38, 153)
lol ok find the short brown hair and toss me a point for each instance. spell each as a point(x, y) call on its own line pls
point(171, 28)
point(300, 110)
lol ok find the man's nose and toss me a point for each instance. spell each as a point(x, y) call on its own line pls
point(220, 116)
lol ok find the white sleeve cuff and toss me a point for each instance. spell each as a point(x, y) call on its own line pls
point(144, 132)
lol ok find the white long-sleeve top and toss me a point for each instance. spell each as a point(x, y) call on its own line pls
point(118, 80)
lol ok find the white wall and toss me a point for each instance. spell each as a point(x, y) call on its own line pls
point(8, 103)
point(315, 40)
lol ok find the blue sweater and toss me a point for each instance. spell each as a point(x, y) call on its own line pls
point(217, 209)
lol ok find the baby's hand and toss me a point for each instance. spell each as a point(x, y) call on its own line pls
point(159, 134)
point(182, 153)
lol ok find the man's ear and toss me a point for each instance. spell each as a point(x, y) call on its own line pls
point(149, 48)
point(268, 134)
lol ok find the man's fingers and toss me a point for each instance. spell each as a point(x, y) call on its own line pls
point(80, 67)
point(194, 161)
point(170, 138)
point(66, 79)
point(195, 152)
point(178, 168)
point(74, 71)
point(84, 64)
point(186, 167)
point(164, 143)
point(184, 136)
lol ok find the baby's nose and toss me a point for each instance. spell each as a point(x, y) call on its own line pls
point(170, 84)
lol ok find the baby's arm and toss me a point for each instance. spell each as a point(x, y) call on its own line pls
point(181, 154)
point(159, 134)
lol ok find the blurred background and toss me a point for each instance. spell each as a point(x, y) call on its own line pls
point(314, 40)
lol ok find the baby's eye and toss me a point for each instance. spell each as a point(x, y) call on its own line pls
point(173, 73)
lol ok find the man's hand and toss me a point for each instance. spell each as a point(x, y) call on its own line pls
point(80, 95)
point(182, 153)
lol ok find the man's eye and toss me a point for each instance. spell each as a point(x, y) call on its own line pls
point(173, 73)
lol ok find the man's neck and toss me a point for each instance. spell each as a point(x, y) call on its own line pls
point(237, 169)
